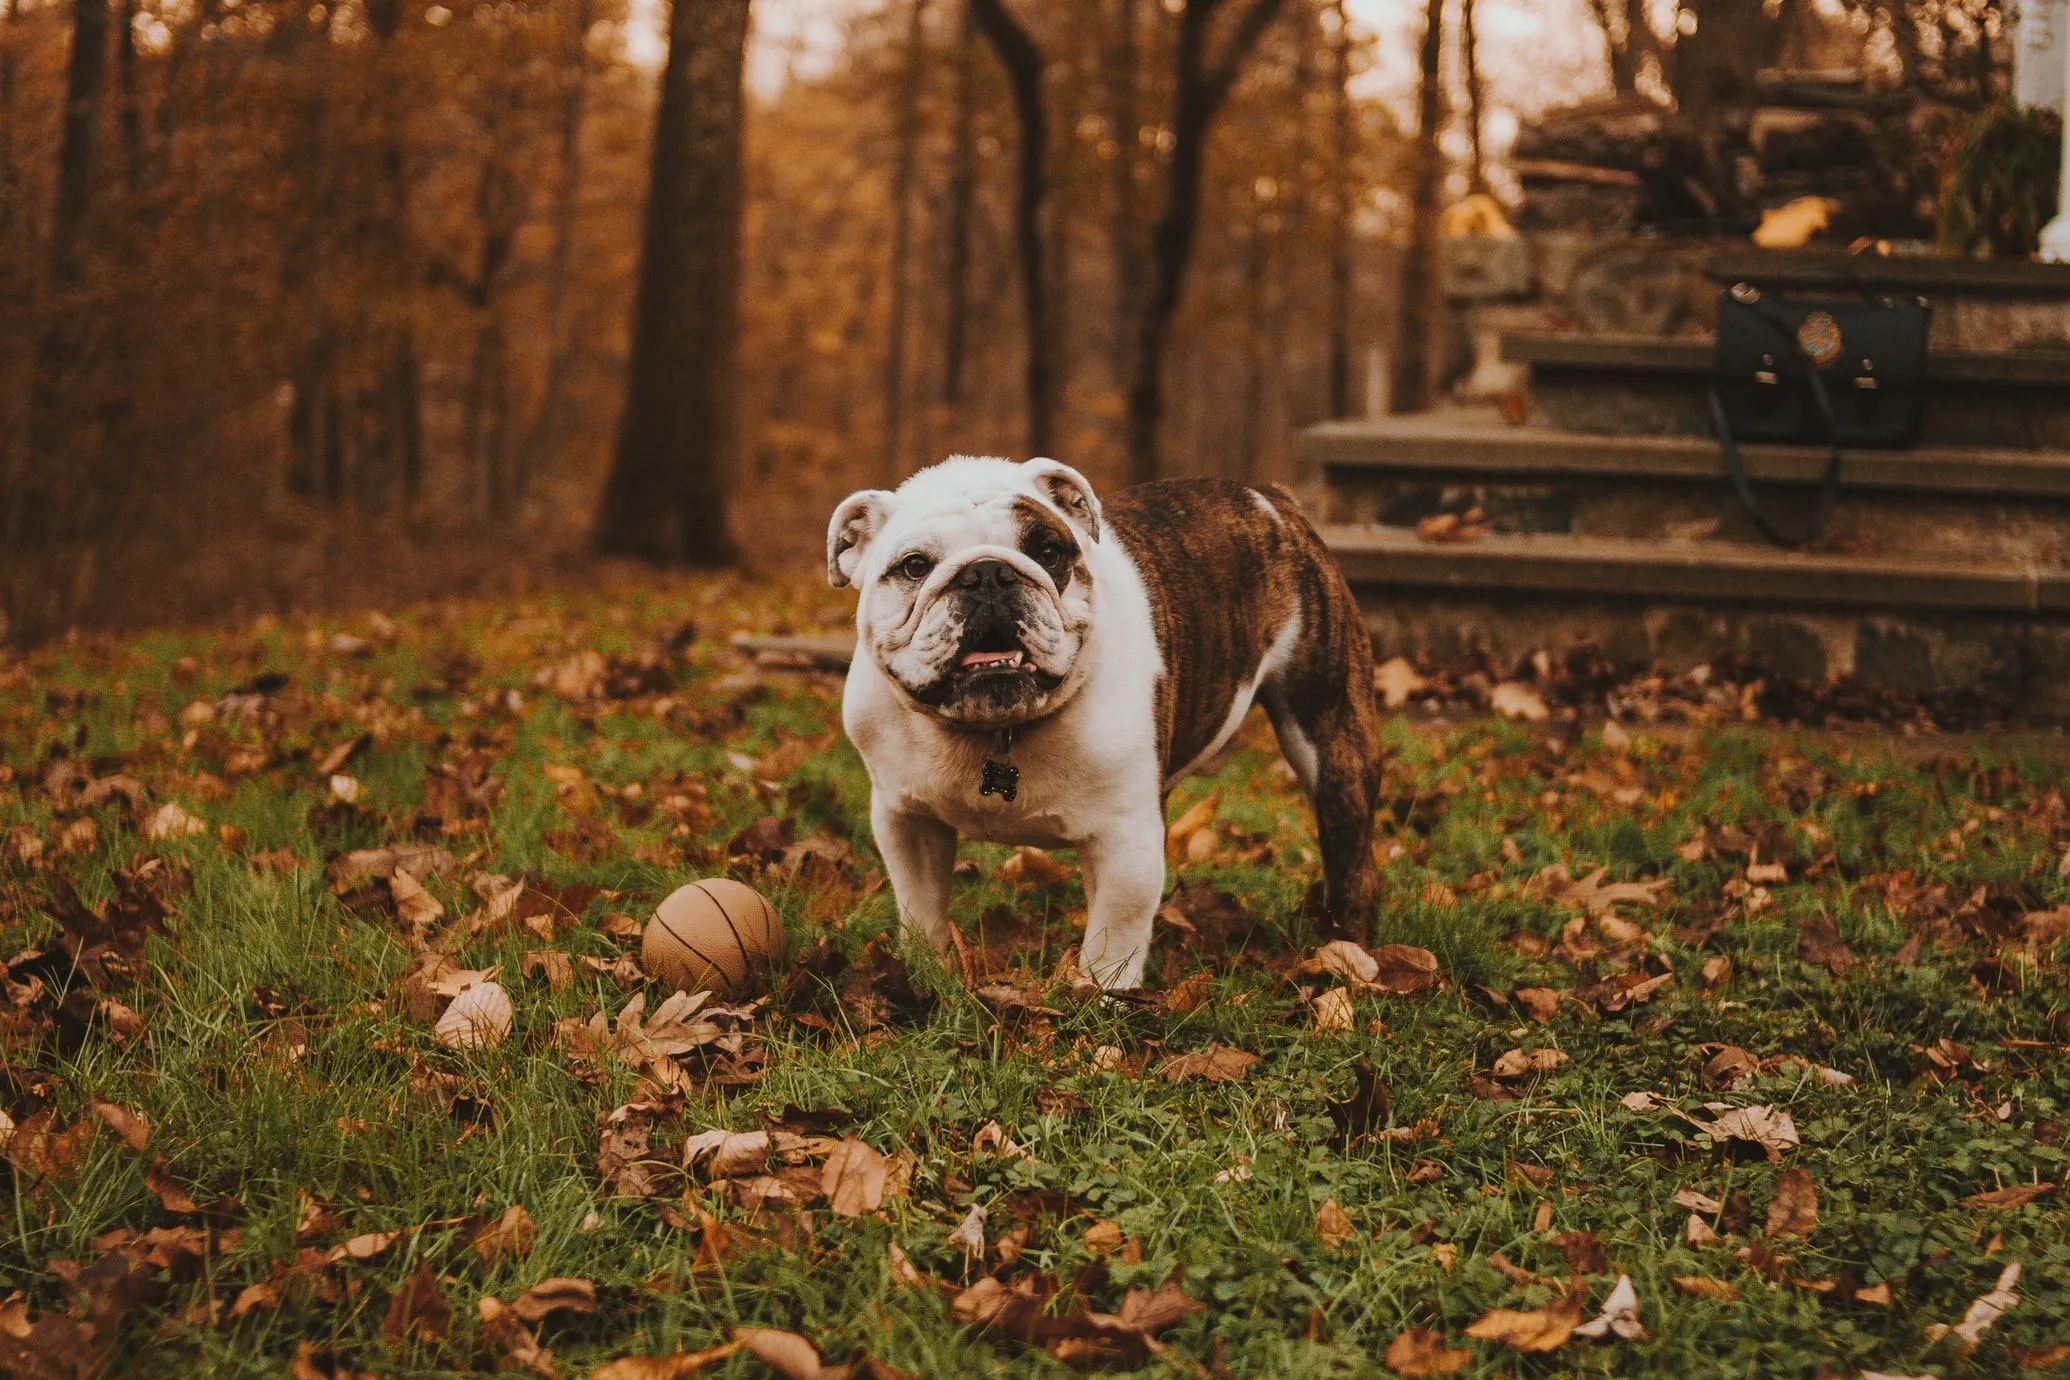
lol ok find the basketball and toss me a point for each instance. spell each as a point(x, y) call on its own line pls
point(716, 935)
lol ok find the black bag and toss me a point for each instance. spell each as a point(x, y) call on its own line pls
point(1833, 372)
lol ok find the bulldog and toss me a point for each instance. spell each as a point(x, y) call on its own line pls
point(1034, 666)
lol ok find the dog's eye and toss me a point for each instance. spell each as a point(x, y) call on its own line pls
point(915, 567)
point(1050, 555)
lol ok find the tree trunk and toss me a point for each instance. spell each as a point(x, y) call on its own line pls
point(51, 500)
point(1023, 63)
point(10, 177)
point(665, 499)
point(1716, 64)
point(1257, 260)
point(1122, 124)
point(962, 192)
point(129, 104)
point(549, 433)
point(1199, 91)
point(1415, 349)
point(901, 240)
point(1341, 203)
point(1476, 102)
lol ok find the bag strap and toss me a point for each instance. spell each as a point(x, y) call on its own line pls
point(1829, 483)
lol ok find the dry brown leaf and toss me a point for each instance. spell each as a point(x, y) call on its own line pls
point(174, 1198)
point(365, 1246)
point(552, 964)
point(559, 1294)
point(1216, 1063)
point(511, 1235)
point(1541, 1004)
point(1794, 1209)
point(1516, 1063)
point(131, 1126)
point(1765, 1126)
point(514, 1343)
point(1536, 1329)
point(1984, 1312)
point(1032, 867)
point(1333, 1226)
point(1419, 1352)
point(1334, 1013)
point(169, 822)
point(1405, 969)
point(480, 1016)
point(853, 1179)
point(1620, 1315)
point(1704, 1287)
point(969, 1235)
point(1348, 961)
point(1397, 682)
point(418, 1311)
point(1187, 995)
point(415, 906)
point(1200, 816)
point(2007, 1199)
point(1513, 699)
point(786, 1353)
point(676, 1366)
point(1698, 1232)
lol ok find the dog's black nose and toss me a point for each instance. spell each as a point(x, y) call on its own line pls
point(978, 574)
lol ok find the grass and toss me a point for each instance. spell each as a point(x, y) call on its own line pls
point(293, 1095)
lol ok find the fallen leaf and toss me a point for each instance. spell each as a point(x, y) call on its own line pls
point(2007, 1199)
point(1516, 1063)
point(1349, 961)
point(1541, 1004)
point(1767, 874)
point(365, 1246)
point(1698, 1232)
point(479, 1016)
point(786, 1353)
point(1405, 969)
point(1333, 1226)
point(1704, 1287)
point(1620, 1315)
point(1200, 816)
point(1583, 1250)
point(1731, 1065)
point(511, 1235)
point(552, 964)
point(131, 1126)
point(1640, 1102)
point(169, 822)
point(675, 1366)
point(1334, 1013)
point(1765, 1126)
point(1595, 895)
point(415, 906)
point(514, 1343)
point(1697, 1202)
point(1513, 699)
point(2002, 1299)
point(1419, 1351)
point(969, 1236)
point(1537, 1329)
point(1216, 1063)
point(418, 1311)
point(170, 1195)
point(559, 1294)
point(1794, 1209)
point(853, 1179)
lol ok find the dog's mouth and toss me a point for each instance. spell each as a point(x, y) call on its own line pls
point(993, 654)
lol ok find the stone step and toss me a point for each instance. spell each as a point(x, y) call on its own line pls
point(1465, 443)
point(1693, 571)
point(1934, 502)
point(2000, 632)
point(1647, 385)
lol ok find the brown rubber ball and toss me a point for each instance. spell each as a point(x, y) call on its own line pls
point(716, 935)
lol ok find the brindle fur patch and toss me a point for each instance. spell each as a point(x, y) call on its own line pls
point(1226, 566)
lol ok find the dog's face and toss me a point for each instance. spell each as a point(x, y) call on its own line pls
point(976, 588)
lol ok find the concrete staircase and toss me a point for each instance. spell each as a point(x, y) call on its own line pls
point(1945, 568)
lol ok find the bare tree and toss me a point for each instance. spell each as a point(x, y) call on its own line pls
point(549, 431)
point(1023, 63)
point(962, 193)
point(1628, 40)
point(1344, 192)
point(1414, 372)
point(908, 157)
point(665, 499)
point(1123, 124)
point(1200, 87)
point(1476, 95)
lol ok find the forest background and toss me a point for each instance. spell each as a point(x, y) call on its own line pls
point(312, 304)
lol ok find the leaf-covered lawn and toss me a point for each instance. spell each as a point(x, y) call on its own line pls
point(1741, 1048)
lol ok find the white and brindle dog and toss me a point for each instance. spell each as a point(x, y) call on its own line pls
point(1035, 667)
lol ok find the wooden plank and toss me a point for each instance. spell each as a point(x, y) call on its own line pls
point(1812, 268)
point(1662, 570)
point(1692, 355)
point(1452, 444)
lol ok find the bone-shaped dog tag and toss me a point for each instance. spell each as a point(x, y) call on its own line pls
point(1002, 779)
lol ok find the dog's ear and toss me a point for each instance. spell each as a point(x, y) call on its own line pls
point(860, 517)
point(1070, 491)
